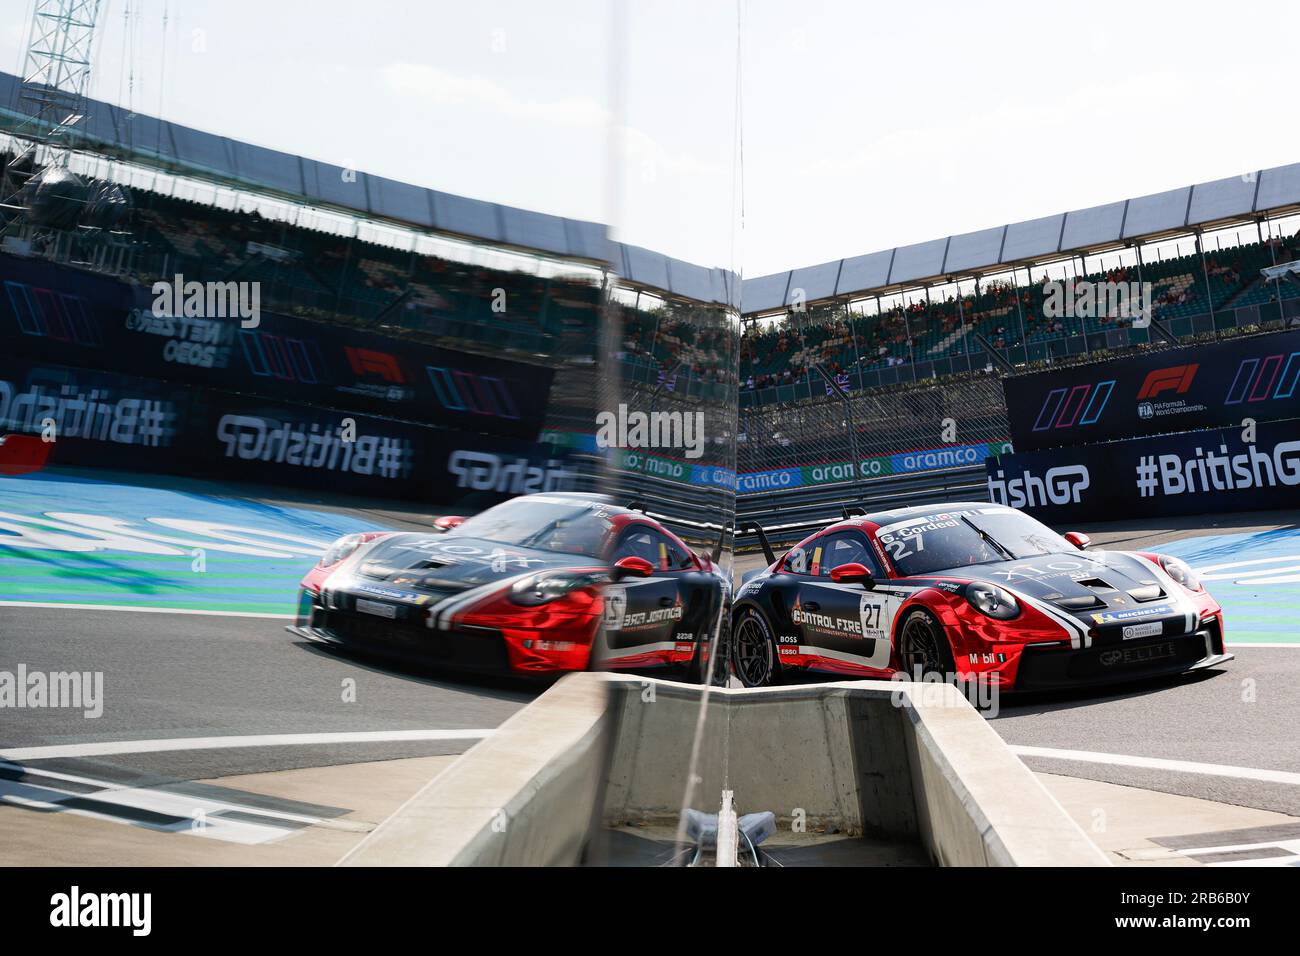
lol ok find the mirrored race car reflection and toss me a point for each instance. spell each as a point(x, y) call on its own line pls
point(538, 585)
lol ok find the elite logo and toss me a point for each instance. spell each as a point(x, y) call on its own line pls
point(1177, 378)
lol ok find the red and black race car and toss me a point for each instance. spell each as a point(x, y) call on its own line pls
point(970, 591)
point(537, 585)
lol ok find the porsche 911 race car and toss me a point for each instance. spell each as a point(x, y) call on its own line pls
point(972, 592)
point(537, 585)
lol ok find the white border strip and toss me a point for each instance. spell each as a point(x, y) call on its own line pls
point(144, 610)
point(169, 744)
point(1157, 763)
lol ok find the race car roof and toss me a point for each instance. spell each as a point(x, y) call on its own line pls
point(916, 511)
point(596, 498)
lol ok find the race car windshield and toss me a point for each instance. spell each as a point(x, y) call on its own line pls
point(957, 540)
point(1020, 535)
point(563, 526)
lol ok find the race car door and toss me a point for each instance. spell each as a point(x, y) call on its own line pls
point(844, 622)
point(641, 614)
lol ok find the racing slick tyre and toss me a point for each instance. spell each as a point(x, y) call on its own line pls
point(754, 657)
point(923, 647)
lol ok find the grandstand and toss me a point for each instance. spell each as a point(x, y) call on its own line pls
point(879, 376)
point(957, 305)
point(360, 255)
point(352, 250)
point(346, 247)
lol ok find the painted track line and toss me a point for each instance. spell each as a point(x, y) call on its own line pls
point(144, 610)
point(169, 744)
point(1159, 763)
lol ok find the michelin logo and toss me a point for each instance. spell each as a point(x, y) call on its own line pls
point(1059, 486)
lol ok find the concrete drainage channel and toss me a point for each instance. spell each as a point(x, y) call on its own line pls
point(596, 771)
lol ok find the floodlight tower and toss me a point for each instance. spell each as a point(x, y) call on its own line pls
point(56, 71)
point(53, 97)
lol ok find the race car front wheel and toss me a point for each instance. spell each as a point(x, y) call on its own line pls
point(923, 648)
point(753, 649)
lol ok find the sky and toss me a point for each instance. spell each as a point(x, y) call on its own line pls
point(757, 135)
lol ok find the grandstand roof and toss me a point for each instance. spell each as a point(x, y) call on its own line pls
point(1224, 201)
point(149, 140)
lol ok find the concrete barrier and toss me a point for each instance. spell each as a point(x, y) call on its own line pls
point(910, 763)
point(526, 796)
point(887, 759)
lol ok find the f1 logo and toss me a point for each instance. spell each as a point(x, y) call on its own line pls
point(365, 361)
point(1177, 377)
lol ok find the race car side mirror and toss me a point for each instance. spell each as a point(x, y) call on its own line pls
point(447, 522)
point(1078, 539)
point(853, 573)
point(632, 567)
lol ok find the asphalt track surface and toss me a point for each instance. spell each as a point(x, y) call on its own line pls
point(198, 675)
point(1245, 715)
point(183, 674)
point(191, 676)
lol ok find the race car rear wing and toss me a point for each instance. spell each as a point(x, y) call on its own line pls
point(853, 511)
point(766, 545)
point(722, 540)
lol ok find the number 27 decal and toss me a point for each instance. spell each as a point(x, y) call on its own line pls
point(871, 614)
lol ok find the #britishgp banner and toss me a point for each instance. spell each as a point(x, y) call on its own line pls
point(104, 420)
point(1204, 472)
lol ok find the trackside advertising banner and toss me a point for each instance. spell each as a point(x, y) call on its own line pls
point(97, 323)
point(100, 419)
point(903, 463)
point(1208, 385)
point(656, 466)
point(1191, 473)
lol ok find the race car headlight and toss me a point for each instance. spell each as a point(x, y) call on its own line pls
point(992, 601)
point(1180, 572)
point(547, 586)
point(339, 550)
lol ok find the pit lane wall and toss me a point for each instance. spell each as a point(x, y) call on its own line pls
point(912, 763)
